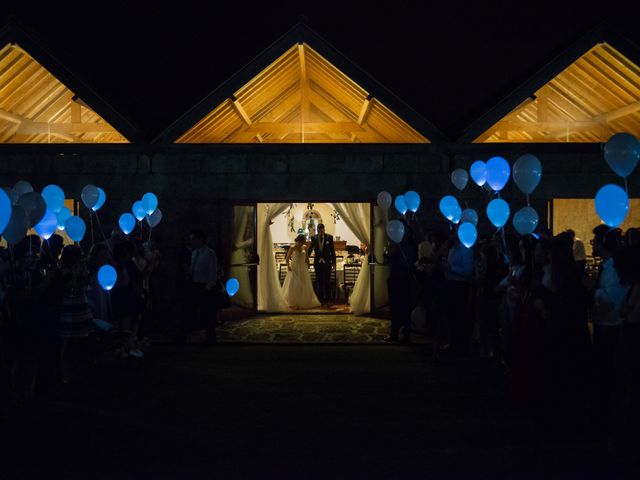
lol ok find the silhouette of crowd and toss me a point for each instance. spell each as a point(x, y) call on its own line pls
point(565, 332)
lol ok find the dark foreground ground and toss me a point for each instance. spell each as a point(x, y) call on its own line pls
point(283, 412)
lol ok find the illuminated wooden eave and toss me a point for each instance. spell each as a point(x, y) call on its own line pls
point(301, 80)
point(561, 117)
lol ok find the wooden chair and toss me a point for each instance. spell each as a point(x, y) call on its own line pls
point(282, 273)
point(281, 257)
point(351, 273)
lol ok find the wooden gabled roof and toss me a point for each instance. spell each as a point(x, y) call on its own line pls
point(301, 90)
point(43, 102)
point(586, 94)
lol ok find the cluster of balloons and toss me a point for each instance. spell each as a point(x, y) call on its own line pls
point(147, 207)
point(622, 153)
point(410, 201)
point(495, 173)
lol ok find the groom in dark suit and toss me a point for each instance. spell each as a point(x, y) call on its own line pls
point(323, 263)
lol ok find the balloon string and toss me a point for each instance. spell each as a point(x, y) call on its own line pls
point(91, 223)
point(140, 225)
point(528, 203)
point(104, 237)
point(626, 187)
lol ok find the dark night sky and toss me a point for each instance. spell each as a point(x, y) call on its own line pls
point(449, 61)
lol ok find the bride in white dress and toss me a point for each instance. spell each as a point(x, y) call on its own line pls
point(297, 289)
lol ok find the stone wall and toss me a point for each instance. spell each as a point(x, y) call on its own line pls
point(197, 184)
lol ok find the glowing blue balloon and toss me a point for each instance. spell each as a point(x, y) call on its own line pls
point(90, 196)
point(400, 204)
point(525, 221)
point(498, 212)
point(622, 152)
point(498, 172)
point(102, 197)
point(467, 234)
point(127, 223)
point(5, 210)
point(47, 226)
point(107, 277)
point(478, 171)
point(469, 215)
point(412, 200)
point(448, 206)
point(233, 285)
point(395, 230)
point(456, 214)
point(527, 172)
point(612, 205)
point(138, 211)
point(53, 197)
point(63, 215)
point(149, 203)
point(75, 228)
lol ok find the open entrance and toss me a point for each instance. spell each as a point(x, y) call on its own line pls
point(263, 234)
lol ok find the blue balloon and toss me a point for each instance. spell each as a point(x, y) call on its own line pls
point(456, 214)
point(527, 172)
point(53, 197)
point(107, 277)
point(525, 221)
point(138, 210)
point(63, 215)
point(395, 230)
point(400, 204)
point(5, 210)
point(478, 172)
point(233, 285)
point(47, 226)
point(127, 223)
point(154, 219)
point(75, 228)
point(467, 234)
point(612, 205)
point(622, 152)
point(102, 197)
point(149, 203)
point(448, 206)
point(498, 172)
point(412, 200)
point(498, 212)
point(90, 196)
point(469, 215)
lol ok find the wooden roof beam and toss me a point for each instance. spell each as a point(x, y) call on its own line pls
point(304, 89)
point(12, 117)
point(239, 109)
point(619, 113)
point(294, 127)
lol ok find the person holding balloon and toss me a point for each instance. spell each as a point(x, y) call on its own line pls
point(402, 257)
point(76, 319)
point(458, 268)
point(203, 273)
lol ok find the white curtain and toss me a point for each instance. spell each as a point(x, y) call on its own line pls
point(242, 217)
point(270, 297)
point(358, 219)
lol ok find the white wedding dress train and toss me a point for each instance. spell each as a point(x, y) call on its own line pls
point(297, 289)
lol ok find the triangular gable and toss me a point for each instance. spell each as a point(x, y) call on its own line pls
point(301, 96)
point(42, 102)
point(588, 94)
